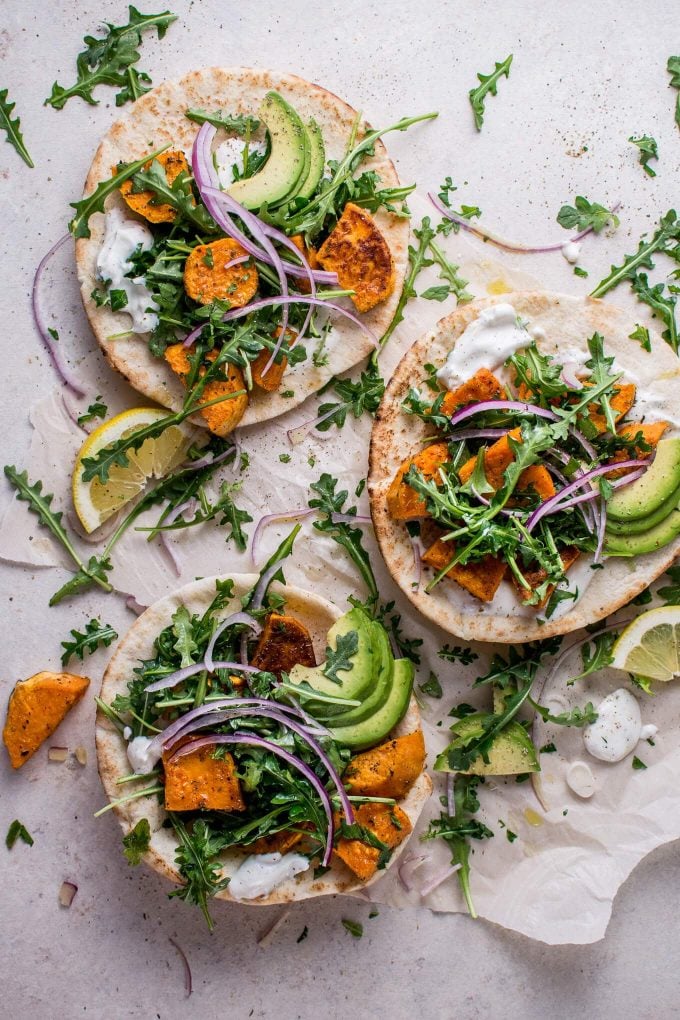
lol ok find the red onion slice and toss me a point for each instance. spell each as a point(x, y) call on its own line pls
point(300, 299)
point(53, 346)
point(134, 606)
point(297, 434)
point(434, 883)
point(418, 550)
point(67, 892)
point(170, 551)
point(196, 667)
point(230, 621)
point(555, 503)
point(477, 434)
point(264, 522)
point(263, 584)
point(296, 763)
point(502, 405)
point(350, 518)
point(486, 235)
point(237, 261)
point(185, 963)
point(209, 460)
point(407, 866)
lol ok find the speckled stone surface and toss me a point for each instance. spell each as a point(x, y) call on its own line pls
point(585, 77)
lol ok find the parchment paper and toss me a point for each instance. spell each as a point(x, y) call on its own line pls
point(557, 880)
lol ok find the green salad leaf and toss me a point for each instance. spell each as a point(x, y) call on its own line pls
point(583, 214)
point(137, 841)
point(12, 128)
point(488, 85)
point(648, 150)
point(18, 830)
point(96, 635)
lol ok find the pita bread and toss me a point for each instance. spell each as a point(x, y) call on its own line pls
point(565, 322)
point(318, 615)
point(158, 119)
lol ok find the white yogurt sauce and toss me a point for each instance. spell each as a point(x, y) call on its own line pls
point(261, 874)
point(141, 758)
point(487, 342)
point(580, 779)
point(617, 729)
point(571, 251)
point(121, 239)
point(229, 152)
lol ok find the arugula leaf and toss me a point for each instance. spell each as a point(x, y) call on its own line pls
point(96, 569)
point(457, 654)
point(340, 657)
point(96, 634)
point(601, 375)
point(197, 864)
point(599, 657)
point(661, 305)
point(235, 124)
point(641, 334)
point(136, 842)
point(12, 128)
point(177, 194)
point(183, 629)
point(583, 214)
point(356, 397)
point(95, 410)
point(670, 593)
point(648, 150)
point(109, 60)
point(93, 203)
point(488, 86)
point(432, 686)
point(673, 68)
point(353, 927)
point(575, 717)
point(18, 830)
point(637, 763)
point(328, 502)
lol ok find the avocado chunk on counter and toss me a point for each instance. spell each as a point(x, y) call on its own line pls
point(511, 752)
point(375, 728)
point(643, 542)
point(654, 489)
point(289, 159)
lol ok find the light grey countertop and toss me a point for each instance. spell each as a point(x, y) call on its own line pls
point(585, 77)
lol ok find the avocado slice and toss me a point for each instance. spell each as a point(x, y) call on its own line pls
point(317, 161)
point(288, 161)
point(511, 751)
point(382, 680)
point(638, 524)
point(653, 489)
point(375, 728)
point(637, 544)
point(356, 682)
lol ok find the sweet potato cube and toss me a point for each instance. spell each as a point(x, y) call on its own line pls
point(310, 254)
point(284, 643)
point(35, 709)
point(482, 386)
point(197, 780)
point(278, 843)
point(533, 481)
point(360, 255)
point(651, 434)
point(621, 402)
point(386, 821)
point(388, 770)
point(481, 577)
point(272, 380)
point(403, 502)
point(146, 203)
point(536, 576)
point(220, 418)
point(209, 275)
point(497, 459)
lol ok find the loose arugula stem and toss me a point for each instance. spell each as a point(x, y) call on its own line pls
point(110, 714)
point(147, 792)
point(134, 777)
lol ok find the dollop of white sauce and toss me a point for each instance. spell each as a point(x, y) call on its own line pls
point(580, 779)
point(648, 731)
point(229, 152)
point(617, 729)
point(121, 239)
point(127, 733)
point(487, 342)
point(571, 251)
point(261, 874)
point(141, 757)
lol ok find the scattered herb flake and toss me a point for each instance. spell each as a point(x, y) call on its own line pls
point(511, 836)
point(285, 458)
point(136, 843)
point(547, 748)
point(638, 763)
point(303, 935)
point(580, 272)
point(353, 927)
point(18, 830)
point(95, 410)
point(432, 686)
point(641, 334)
point(648, 150)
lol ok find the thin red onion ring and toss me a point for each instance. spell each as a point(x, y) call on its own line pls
point(555, 503)
point(196, 667)
point(267, 519)
point(230, 621)
point(53, 348)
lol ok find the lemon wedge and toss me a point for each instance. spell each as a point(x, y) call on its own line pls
point(96, 501)
point(650, 645)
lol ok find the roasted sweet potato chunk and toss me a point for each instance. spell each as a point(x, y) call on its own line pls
point(536, 576)
point(360, 255)
point(388, 822)
point(208, 274)
point(272, 380)
point(482, 386)
point(403, 502)
point(220, 418)
point(310, 254)
point(534, 480)
point(197, 780)
point(481, 577)
point(284, 643)
point(388, 770)
point(35, 709)
point(145, 202)
point(651, 434)
point(277, 843)
point(621, 401)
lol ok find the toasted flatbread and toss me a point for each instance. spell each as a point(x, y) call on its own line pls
point(157, 119)
point(317, 615)
point(560, 322)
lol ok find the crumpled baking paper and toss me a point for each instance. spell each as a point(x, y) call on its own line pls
point(556, 881)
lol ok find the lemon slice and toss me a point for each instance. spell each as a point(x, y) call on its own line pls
point(96, 501)
point(650, 645)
